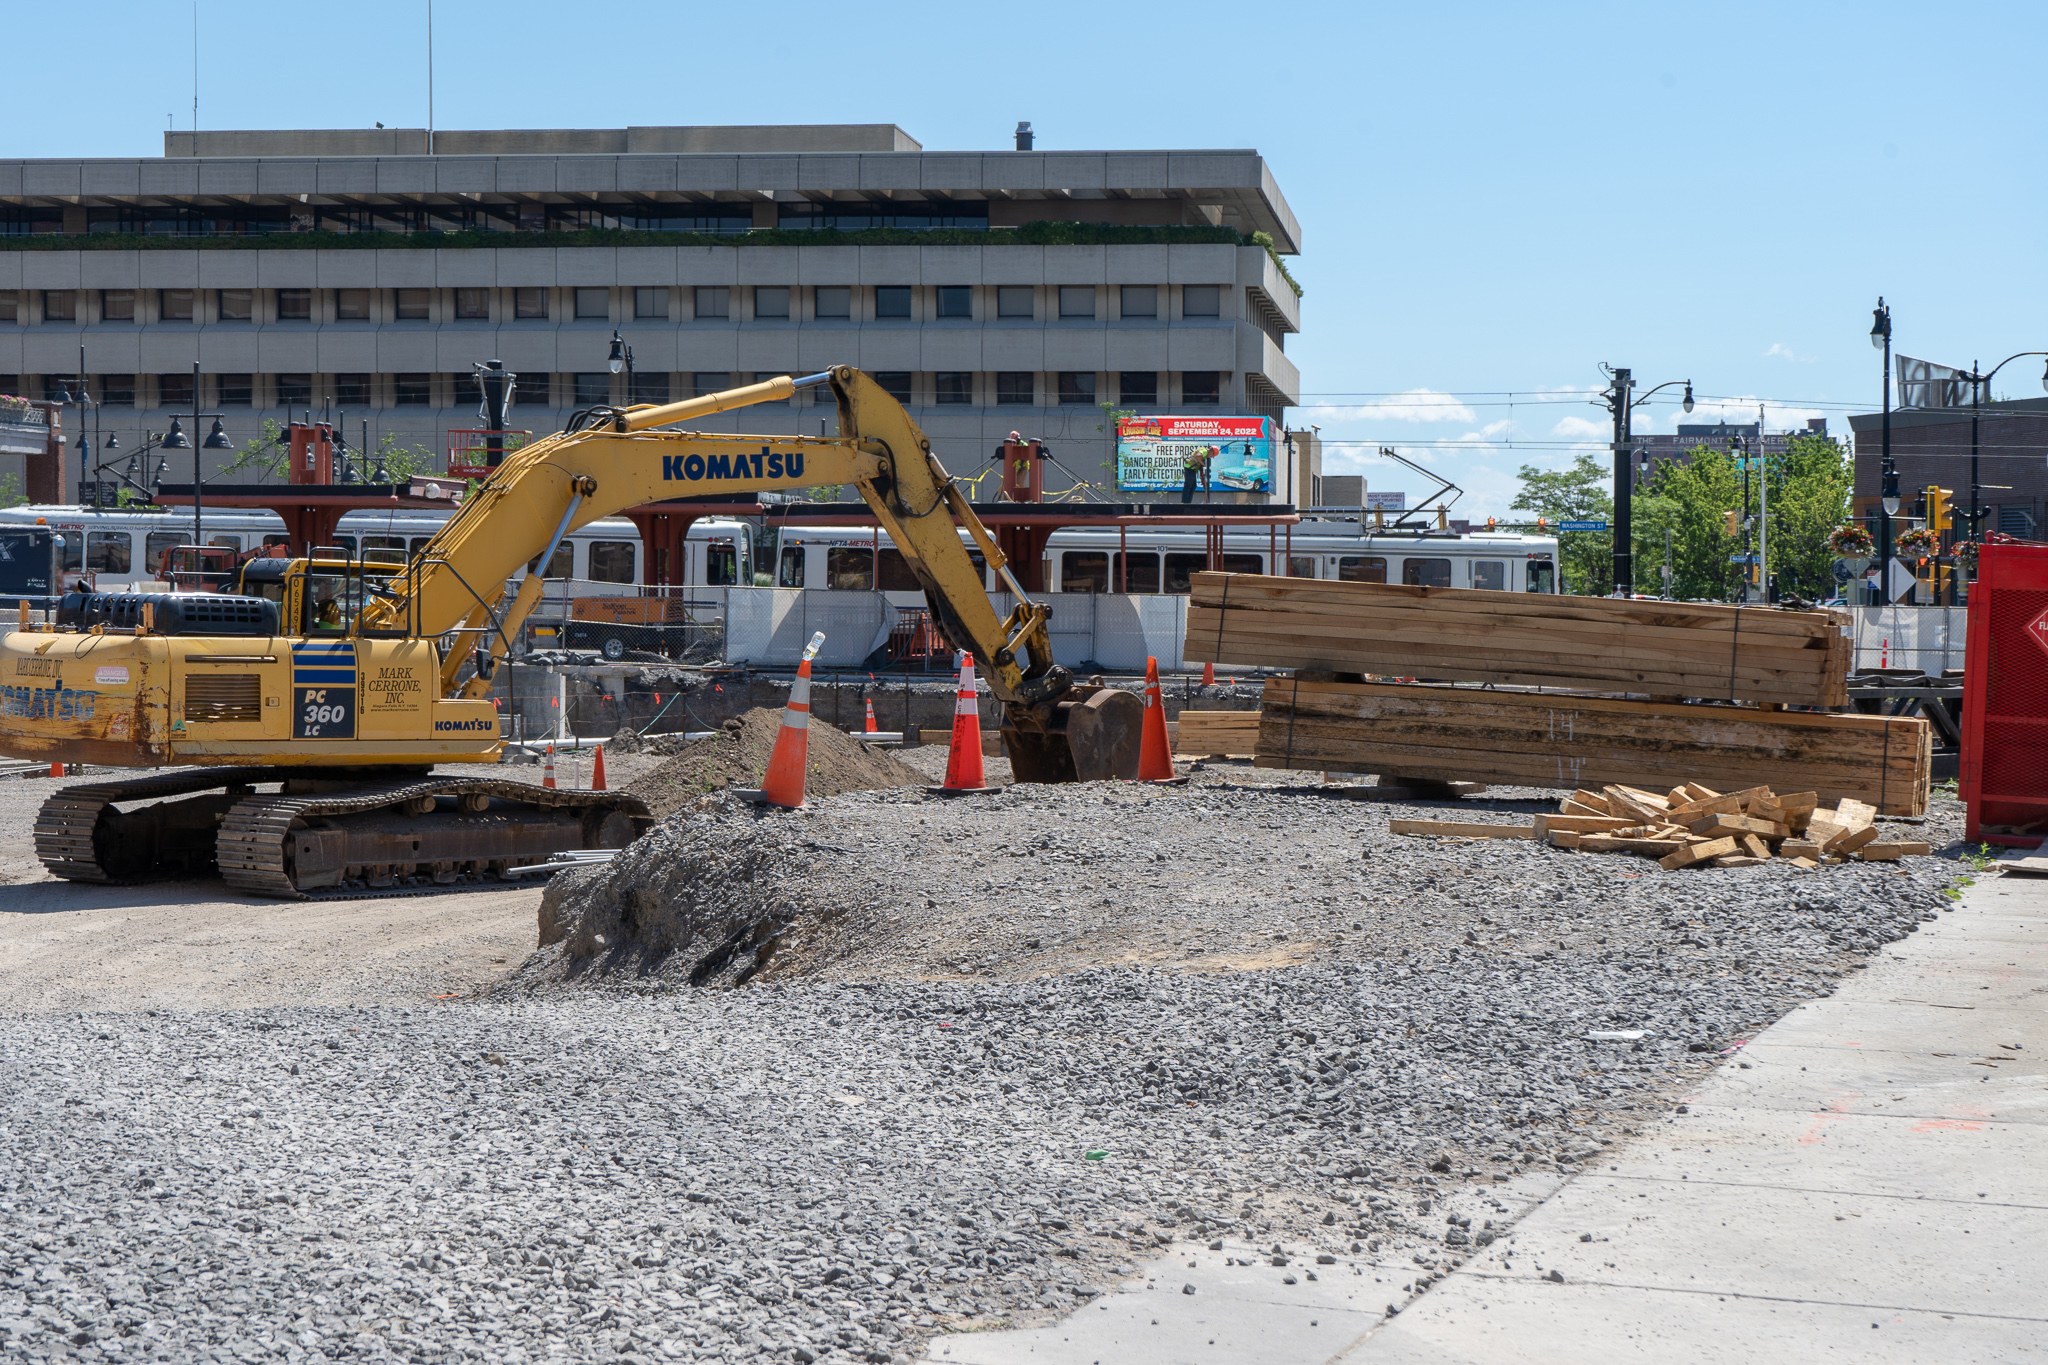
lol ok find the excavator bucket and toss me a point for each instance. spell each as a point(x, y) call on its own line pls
point(1091, 734)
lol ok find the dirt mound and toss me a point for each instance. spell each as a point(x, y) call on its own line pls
point(837, 762)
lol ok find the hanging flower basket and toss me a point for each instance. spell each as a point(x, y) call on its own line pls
point(1965, 552)
point(1851, 542)
point(1918, 541)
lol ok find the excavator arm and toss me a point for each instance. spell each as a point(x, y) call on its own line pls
point(622, 458)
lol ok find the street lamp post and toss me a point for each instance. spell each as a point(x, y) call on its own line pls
point(1888, 490)
point(1978, 381)
point(1623, 407)
point(622, 359)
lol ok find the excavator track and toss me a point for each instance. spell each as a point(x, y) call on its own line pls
point(261, 837)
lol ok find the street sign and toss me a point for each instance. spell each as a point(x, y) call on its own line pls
point(1582, 526)
point(1742, 559)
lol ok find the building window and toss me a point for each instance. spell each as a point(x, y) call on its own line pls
point(174, 391)
point(649, 387)
point(1138, 388)
point(1015, 301)
point(593, 303)
point(1015, 386)
point(771, 301)
point(235, 305)
point(895, 383)
point(892, 301)
point(412, 305)
point(473, 305)
point(352, 390)
point(56, 389)
point(294, 305)
point(713, 303)
point(117, 390)
point(956, 301)
point(593, 389)
point(117, 305)
point(412, 390)
point(2016, 521)
point(352, 305)
point(1077, 301)
point(832, 301)
point(236, 390)
point(1201, 386)
point(955, 386)
point(1077, 386)
point(709, 381)
point(10, 305)
point(611, 561)
point(1140, 301)
point(762, 377)
point(529, 303)
point(650, 303)
point(294, 390)
point(60, 305)
point(530, 391)
point(1200, 301)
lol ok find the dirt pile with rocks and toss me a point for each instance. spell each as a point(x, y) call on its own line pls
point(837, 762)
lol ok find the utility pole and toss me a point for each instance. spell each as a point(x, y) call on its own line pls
point(1888, 488)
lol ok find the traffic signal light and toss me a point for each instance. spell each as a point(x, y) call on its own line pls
point(1940, 515)
point(1731, 522)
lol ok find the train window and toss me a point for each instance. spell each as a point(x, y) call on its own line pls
point(1084, 571)
point(980, 565)
point(611, 561)
point(1362, 569)
point(416, 544)
point(1542, 576)
point(1142, 575)
point(384, 543)
point(850, 570)
point(791, 574)
point(226, 542)
point(721, 564)
point(895, 573)
point(1244, 563)
point(154, 548)
point(345, 542)
point(1491, 574)
point(1182, 567)
point(74, 550)
point(562, 563)
point(1426, 573)
point(107, 551)
point(1301, 566)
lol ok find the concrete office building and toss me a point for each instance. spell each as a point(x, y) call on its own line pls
point(313, 269)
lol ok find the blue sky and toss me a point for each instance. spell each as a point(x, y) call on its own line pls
point(1494, 198)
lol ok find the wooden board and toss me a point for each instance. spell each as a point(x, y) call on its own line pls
point(1206, 733)
point(1593, 644)
point(1461, 829)
point(1579, 743)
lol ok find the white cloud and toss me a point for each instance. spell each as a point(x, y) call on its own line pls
point(1415, 405)
point(1580, 429)
point(1780, 349)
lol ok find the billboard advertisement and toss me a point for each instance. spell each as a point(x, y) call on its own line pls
point(1152, 452)
point(1386, 502)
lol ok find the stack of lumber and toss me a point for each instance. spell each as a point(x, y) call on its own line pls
point(1217, 734)
point(1696, 826)
point(1568, 742)
point(1587, 644)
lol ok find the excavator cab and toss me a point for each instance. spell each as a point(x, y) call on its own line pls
point(200, 568)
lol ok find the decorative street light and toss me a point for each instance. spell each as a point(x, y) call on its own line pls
point(1623, 407)
point(1978, 382)
point(1888, 490)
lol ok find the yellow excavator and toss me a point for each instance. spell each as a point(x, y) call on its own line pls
point(343, 683)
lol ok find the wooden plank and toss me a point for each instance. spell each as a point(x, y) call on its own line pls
point(1564, 838)
point(1577, 743)
point(1610, 843)
point(1581, 824)
point(1799, 848)
point(1740, 860)
point(1755, 847)
point(1888, 850)
point(1461, 829)
point(1850, 840)
point(1854, 814)
point(1696, 853)
point(1592, 644)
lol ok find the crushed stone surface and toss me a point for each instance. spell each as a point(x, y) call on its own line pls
point(835, 762)
point(990, 1053)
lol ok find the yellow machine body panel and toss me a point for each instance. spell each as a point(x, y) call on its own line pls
point(129, 701)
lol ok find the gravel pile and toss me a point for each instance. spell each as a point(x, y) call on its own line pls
point(835, 762)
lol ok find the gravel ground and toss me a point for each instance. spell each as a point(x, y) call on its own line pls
point(1003, 1047)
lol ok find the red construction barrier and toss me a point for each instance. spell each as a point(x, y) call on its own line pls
point(2004, 772)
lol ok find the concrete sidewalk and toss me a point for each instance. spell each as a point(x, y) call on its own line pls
point(1866, 1181)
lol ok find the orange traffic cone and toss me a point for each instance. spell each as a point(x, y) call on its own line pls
point(597, 771)
point(873, 728)
point(784, 783)
point(963, 759)
point(56, 770)
point(547, 778)
point(1209, 675)
point(1155, 755)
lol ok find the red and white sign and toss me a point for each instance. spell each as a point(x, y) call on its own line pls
point(2038, 628)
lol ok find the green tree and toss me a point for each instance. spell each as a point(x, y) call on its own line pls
point(1582, 491)
point(268, 454)
point(1809, 500)
point(1809, 497)
point(10, 491)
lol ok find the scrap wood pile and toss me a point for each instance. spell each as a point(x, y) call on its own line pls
point(1586, 644)
point(1695, 826)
